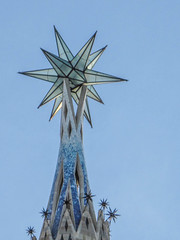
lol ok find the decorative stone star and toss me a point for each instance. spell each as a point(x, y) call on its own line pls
point(103, 203)
point(112, 215)
point(45, 213)
point(78, 70)
point(88, 196)
point(30, 231)
point(67, 202)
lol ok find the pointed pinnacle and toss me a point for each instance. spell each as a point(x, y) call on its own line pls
point(101, 101)
point(104, 48)
point(55, 28)
point(43, 50)
point(41, 104)
point(93, 36)
point(90, 124)
point(24, 73)
point(51, 117)
point(45, 53)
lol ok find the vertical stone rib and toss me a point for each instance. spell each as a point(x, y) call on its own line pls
point(80, 110)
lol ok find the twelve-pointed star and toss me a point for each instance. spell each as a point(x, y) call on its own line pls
point(77, 69)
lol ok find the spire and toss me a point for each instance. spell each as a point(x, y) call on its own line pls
point(70, 181)
point(70, 212)
point(68, 205)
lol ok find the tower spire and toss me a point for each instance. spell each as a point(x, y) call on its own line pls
point(70, 208)
point(70, 183)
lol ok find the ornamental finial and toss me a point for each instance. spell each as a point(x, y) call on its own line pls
point(77, 69)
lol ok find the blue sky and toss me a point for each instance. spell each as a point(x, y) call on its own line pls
point(132, 152)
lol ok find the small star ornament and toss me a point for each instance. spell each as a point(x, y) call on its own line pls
point(30, 231)
point(112, 215)
point(45, 213)
point(77, 69)
point(88, 196)
point(67, 202)
point(103, 203)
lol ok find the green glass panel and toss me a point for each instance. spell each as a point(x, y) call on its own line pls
point(73, 83)
point(57, 106)
point(78, 93)
point(93, 58)
point(75, 97)
point(74, 90)
point(81, 74)
point(63, 49)
point(91, 92)
point(76, 76)
point(60, 65)
point(84, 57)
point(76, 59)
point(94, 77)
point(54, 92)
point(87, 112)
point(65, 69)
point(49, 75)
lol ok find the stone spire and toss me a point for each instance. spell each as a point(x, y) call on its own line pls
point(72, 214)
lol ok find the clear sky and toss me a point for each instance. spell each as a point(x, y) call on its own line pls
point(132, 152)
